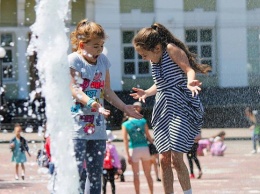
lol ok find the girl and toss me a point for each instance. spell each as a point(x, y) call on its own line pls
point(192, 155)
point(254, 120)
point(90, 85)
point(112, 164)
point(19, 146)
point(137, 148)
point(218, 147)
point(177, 113)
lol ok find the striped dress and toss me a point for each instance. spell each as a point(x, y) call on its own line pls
point(177, 116)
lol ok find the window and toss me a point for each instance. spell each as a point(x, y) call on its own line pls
point(134, 65)
point(206, 5)
point(146, 6)
point(30, 14)
point(78, 11)
point(7, 42)
point(252, 4)
point(201, 42)
point(253, 54)
point(8, 13)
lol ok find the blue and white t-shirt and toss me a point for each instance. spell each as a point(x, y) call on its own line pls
point(88, 123)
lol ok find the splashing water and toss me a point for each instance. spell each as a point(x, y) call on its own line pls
point(50, 42)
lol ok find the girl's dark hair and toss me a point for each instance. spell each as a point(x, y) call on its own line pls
point(17, 125)
point(221, 133)
point(148, 38)
point(249, 109)
point(85, 31)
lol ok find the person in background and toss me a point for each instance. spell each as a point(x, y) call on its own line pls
point(156, 166)
point(112, 165)
point(254, 120)
point(204, 146)
point(47, 147)
point(136, 147)
point(178, 112)
point(19, 146)
point(218, 147)
point(123, 168)
point(192, 155)
point(90, 86)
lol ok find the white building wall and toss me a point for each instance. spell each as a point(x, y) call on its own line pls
point(231, 20)
point(107, 14)
point(232, 43)
point(171, 15)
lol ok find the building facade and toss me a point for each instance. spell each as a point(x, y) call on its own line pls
point(224, 34)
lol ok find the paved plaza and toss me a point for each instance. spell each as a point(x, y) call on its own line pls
point(238, 172)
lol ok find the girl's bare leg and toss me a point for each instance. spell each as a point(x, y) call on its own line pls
point(181, 169)
point(16, 171)
point(166, 172)
point(23, 170)
point(147, 172)
point(135, 168)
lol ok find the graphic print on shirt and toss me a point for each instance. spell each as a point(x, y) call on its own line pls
point(97, 82)
point(94, 90)
point(89, 127)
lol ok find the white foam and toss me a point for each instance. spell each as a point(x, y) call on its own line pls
point(50, 41)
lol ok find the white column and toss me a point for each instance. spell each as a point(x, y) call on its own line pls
point(232, 43)
point(90, 9)
point(170, 14)
point(22, 63)
point(20, 12)
point(107, 14)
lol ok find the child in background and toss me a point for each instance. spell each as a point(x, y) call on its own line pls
point(203, 147)
point(192, 155)
point(254, 120)
point(112, 165)
point(156, 166)
point(218, 147)
point(19, 146)
point(136, 147)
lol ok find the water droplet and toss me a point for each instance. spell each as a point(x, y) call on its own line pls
point(29, 129)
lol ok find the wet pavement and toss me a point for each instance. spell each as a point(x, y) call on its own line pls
point(238, 172)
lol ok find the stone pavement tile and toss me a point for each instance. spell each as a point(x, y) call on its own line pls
point(235, 173)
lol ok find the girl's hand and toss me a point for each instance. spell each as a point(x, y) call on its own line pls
point(119, 171)
point(193, 86)
point(139, 94)
point(129, 159)
point(100, 109)
point(130, 111)
point(12, 145)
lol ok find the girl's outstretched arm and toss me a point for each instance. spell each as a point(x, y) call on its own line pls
point(141, 94)
point(113, 99)
point(181, 59)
